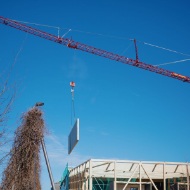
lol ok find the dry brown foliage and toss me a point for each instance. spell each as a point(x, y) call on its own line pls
point(23, 169)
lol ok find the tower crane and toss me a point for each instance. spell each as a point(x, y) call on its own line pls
point(86, 48)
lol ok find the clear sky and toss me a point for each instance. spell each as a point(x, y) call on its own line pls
point(125, 112)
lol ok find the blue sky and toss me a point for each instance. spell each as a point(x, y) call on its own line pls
point(125, 112)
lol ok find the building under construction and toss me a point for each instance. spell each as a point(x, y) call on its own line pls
point(96, 174)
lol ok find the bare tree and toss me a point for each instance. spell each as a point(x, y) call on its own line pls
point(7, 96)
point(6, 100)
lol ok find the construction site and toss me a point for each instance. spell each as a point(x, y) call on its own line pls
point(125, 174)
point(23, 165)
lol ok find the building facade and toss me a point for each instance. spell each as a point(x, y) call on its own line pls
point(96, 174)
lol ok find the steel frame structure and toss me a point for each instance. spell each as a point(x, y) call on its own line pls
point(123, 171)
point(86, 48)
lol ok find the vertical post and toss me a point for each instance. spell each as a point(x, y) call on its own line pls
point(140, 176)
point(48, 164)
point(86, 180)
point(115, 176)
point(90, 175)
point(164, 178)
point(79, 178)
point(187, 177)
point(136, 51)
point(74, 184)
point(86, 184)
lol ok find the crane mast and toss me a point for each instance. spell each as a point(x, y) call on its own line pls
point(86, 48)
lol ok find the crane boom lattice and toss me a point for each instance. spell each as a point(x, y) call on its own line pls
point(86, 48)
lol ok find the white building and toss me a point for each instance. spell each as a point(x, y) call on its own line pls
point(98, 174)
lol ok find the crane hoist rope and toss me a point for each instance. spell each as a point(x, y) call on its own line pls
point(72, 84)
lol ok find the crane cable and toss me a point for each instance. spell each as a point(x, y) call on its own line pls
point(99, 34)
point(72, 84)
point(168, 63)
point(163, 48)
point(112, 36)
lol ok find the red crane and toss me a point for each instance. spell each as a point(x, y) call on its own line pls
point(77, 45)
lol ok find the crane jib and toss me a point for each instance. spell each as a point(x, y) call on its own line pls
point(86, 48)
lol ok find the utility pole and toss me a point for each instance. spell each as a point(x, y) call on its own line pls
point(38, 104)
point(48, 164)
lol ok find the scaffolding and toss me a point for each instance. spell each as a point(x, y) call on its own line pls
point(96, 174)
